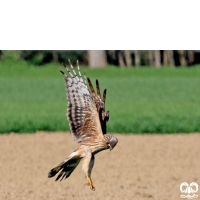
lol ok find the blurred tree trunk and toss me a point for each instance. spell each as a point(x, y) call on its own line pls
point(146, 57)
point(128, 58)
point(121, 58)
point(97, 58)
point(182, 57)
point(55, 56)
point(171, 58)
point(165, 58)
point(137, 58)
point(157, 59)
point(190, 57)
point(151, 57)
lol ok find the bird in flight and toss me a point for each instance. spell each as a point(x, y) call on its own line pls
point(88, 123)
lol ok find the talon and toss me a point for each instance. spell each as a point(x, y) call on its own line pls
point(92, 187)
point(89, 182)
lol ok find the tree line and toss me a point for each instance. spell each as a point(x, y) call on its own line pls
point(154, 58)
point(99, 58)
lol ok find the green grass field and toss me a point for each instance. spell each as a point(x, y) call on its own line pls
point(142, 100)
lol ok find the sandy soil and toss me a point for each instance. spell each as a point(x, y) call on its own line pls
point(140, 167)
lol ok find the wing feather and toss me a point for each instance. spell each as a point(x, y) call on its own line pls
point(104, 96)
point(82, 111)
point(100, 104)
point(98, 89)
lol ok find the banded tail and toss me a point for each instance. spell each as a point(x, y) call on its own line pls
point(67, 167)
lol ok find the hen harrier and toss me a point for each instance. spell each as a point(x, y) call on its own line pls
point(88, 121)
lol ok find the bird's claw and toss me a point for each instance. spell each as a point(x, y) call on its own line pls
point(90, 183)
point(92, 187)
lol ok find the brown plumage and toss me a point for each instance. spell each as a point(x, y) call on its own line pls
point(88, 121)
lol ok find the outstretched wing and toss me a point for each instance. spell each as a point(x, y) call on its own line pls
point(100, 104)
point(82, 111)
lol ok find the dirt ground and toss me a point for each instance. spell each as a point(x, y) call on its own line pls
point(140, 167)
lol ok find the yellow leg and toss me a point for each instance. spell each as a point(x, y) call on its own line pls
point(89, 182)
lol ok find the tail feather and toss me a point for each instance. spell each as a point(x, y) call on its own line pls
point(54, 171)
point(67, 166)
point(66, 172)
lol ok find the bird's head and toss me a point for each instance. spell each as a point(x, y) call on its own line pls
point(111, 142)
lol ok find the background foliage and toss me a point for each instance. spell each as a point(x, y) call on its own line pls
point(145, 100)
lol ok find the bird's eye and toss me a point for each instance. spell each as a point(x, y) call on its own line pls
point(108, 146)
